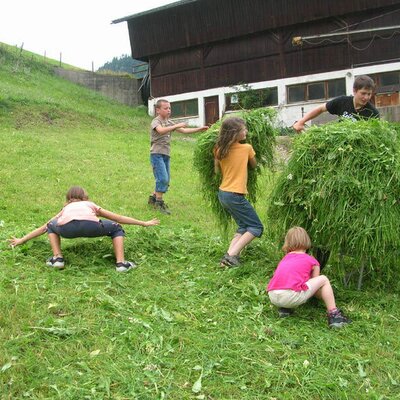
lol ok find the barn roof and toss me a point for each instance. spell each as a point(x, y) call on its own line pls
point(151, 11)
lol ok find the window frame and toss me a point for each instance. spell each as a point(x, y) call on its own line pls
point(185, 104)
point(305, 86)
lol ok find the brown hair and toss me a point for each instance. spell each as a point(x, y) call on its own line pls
point(160, 102)
point(296, 239)
point(76, 193)
point(363, 82)
point(228, 134)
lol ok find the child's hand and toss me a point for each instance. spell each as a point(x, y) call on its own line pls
point(181, 125)
point(15, 241)
point(154, 221)
point(203, 128)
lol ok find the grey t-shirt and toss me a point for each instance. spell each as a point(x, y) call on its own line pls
point(160, 144)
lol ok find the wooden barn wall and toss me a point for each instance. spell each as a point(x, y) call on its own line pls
point(205, 21)
point(270, 55)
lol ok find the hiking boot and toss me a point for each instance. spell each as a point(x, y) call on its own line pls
point(55, 262)
point(230, 261)
point(162, 207)
point(152, 200)
point(285, 312)
point(336, 319)
point(124, 266)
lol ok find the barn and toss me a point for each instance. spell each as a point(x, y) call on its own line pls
point(295, 53)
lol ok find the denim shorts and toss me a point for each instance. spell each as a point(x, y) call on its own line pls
point(83, 228)
point(242, 212)
point(161, 171)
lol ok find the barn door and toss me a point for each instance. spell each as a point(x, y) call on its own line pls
point(211, 109)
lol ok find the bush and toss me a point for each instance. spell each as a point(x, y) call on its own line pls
point(342, 185)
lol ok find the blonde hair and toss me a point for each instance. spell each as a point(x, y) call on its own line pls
point(296, 239)
point(76, 193)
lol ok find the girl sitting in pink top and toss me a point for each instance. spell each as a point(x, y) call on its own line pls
point(297, 278)
point(80, 218)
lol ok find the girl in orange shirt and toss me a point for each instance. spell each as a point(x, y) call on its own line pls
point(231, 159)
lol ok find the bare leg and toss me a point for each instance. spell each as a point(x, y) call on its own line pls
point(55, 243)
point(118, 244)
point(159, 195)
point(323, 290)
point(239, 242)
point(235, 238)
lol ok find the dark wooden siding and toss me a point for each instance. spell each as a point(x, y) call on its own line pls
point(208, 43)
point(206, 21)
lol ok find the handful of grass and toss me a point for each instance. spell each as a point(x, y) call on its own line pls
point(261, 135)
point(342, 184)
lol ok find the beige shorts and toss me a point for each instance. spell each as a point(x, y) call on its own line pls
point(289, 298)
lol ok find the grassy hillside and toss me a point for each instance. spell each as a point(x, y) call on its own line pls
point(178, 327)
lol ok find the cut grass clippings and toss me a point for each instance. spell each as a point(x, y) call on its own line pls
point(177, 327)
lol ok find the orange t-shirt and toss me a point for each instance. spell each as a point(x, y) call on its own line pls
point(234, 168)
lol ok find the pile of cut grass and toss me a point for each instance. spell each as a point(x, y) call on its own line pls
point(261, 135)
point(342, 185)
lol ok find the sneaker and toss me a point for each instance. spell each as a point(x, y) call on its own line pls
point(162, 207)
point(125, 266)
point(55, 262)
point(285, 312)
point(336, 319)
point(230, 261)
point(152, 200)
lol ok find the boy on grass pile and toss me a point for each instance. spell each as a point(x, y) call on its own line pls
point(297, 278)
point(354, 107)
point(160, 136)
point(80, 218)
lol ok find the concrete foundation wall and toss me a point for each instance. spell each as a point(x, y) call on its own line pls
point(123, 89)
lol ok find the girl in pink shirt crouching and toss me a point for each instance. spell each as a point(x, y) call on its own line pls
point(297, 278)
point(80, 218)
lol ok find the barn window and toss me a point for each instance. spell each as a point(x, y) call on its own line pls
point(389, 78)
point(297, 93)
point(252, 98)
point(316, 90)
point(186, 108)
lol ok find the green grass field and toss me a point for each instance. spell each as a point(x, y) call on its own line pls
point(178, 327)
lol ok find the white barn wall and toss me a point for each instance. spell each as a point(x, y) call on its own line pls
point(287, 113)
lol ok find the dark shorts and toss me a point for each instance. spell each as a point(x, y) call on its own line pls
point(242, 212)
point(83, 228)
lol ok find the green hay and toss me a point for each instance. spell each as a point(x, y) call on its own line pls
point(342, 185)
point(261, 136)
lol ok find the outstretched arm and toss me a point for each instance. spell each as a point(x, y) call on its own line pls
point(193, 130)
point(299, 125)
point(35, 233)
point(163, 130)
point(122, 219)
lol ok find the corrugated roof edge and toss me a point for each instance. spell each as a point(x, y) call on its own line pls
point(153, 10)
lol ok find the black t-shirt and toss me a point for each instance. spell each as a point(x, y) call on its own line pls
point(344, 107)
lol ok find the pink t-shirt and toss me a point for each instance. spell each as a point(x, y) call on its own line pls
point(293, 271)
point(80, 210)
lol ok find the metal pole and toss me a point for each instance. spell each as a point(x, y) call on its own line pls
point(298, 40)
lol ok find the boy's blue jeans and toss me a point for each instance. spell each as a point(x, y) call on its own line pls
point(161, 171)
point(242, 212)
